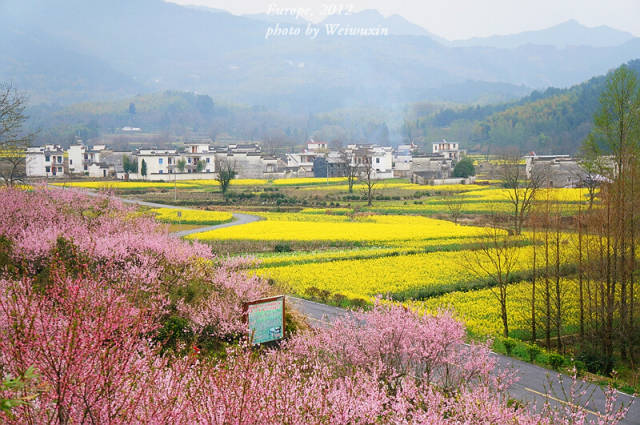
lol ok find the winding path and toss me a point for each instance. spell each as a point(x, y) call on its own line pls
point(238, 218)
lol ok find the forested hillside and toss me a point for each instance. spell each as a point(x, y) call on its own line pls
point(555, 120)
point(171, 115)
point(550, 121)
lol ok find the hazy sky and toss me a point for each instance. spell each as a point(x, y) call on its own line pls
point(455, 19)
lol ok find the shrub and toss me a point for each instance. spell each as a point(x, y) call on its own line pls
point(533, 351)
point(593, 360)
point(509, 345)
point(556, 361)
point(282, 247)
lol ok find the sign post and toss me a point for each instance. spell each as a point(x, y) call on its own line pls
point(265, 319)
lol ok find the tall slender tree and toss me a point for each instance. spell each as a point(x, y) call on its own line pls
point(13, 139)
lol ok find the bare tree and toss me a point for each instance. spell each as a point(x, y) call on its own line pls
point(521, 191)
point(226, 171)
point(593, 167)
point(454, 203)
point(367, 177)
point(351, 171)
point(13, 140)
point(495, 259)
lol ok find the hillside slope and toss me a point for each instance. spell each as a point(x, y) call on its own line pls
point(163, 46)
point(552, 121)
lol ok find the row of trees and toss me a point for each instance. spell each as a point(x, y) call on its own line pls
point(587, 253)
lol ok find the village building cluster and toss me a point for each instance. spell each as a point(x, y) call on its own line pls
point(200, 161)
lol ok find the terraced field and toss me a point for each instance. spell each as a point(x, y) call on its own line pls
point(348, 253)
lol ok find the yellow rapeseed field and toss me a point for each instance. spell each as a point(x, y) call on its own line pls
point(315, 227)
point(396, 248)
point(403, 277)
point(308, 180)
point(503, 195)
point(480, 309)
point(186, 216)
point(358, 187)
point(107, 185)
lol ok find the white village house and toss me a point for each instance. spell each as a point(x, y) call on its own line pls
point(198, 160)
point(45, 161)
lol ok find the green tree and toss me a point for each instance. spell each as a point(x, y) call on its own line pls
point(200, 166)
point(464, 168)
point(182, 163)
point(143, 168)
point(226, 172)
point(129, 165)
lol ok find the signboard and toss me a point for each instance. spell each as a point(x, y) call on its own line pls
point(265, 319)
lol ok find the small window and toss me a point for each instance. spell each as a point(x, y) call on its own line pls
point(59, 160)
point(208, 160)
point(377, 160)
point(47, 158)
point(160, 161)
point(85, 168)
point(48, 169)
point(71, 162)
point(160, 171)
point(86, 156)
point(60, 169)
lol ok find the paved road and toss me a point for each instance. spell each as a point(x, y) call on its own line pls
point(532, 386)
point(238, 218)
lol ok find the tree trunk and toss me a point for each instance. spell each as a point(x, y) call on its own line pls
point(533, 291)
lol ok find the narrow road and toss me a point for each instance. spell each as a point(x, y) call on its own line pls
point(533, 384)
point(238, 218)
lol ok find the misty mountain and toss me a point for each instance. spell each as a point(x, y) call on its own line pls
point(146, 46)
point(550, 121)
point(569, 33)
point(53, 72)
